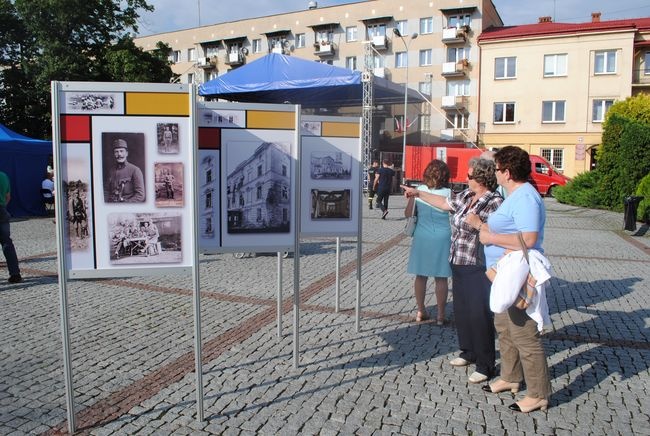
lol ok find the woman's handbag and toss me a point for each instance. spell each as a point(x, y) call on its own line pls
point(411, 222)
point(528, 291)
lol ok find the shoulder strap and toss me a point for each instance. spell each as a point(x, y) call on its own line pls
point(524, 249)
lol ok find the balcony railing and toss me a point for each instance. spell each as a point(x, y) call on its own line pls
point(324, 48)
point(453, 134)
point(234, 59)
point(454, 35)
point(455, 69)
point(380, 42)
point(206, 62)
point(454, 102)
point(380, 72)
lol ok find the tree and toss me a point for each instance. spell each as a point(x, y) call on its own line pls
point(68, 40)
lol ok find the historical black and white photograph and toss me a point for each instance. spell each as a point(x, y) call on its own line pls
point(330, 204)
point(76, 198)
point(332, 165)
point(167, 138)
point(258, 185)
point(94, 102)
point(144, 238)
point(310, 128)
point(169, 184)
point(222, 118)
point(123, 158)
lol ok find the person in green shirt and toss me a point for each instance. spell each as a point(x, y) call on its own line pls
point(5, 235)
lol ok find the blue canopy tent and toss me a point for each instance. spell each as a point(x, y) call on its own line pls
point(24, 160)
point(277, 78)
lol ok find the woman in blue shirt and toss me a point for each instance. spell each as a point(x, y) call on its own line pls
point(521, 348)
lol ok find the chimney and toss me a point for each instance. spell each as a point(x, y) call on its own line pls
point(546, 19)
point(595, 17)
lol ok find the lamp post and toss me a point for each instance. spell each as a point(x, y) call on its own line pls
point(406, 93)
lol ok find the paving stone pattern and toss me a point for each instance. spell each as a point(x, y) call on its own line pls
point(133, 358)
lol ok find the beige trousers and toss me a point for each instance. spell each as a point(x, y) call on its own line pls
point(522, 352)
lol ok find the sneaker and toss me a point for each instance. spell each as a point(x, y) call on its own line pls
point(15, 279)
point(383, 215)
point(459, 361)
point(477, 377)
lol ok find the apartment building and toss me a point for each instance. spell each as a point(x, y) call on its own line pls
point(442, 61)
point(546, 87)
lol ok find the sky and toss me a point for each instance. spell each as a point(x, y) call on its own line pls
point(169, 16)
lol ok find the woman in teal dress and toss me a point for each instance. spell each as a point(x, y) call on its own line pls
point(431, 241)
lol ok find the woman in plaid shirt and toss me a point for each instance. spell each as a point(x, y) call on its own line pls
point(471, 287)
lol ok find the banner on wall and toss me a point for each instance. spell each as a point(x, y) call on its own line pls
point(247, 177)
point(331, 176)
point(127, 154)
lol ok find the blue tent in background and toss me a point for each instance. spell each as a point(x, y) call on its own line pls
point(277, 78)
point(24, 160)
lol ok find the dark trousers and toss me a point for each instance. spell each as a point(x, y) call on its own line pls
point(7, 244)
point(382, 199)
point(474, 319)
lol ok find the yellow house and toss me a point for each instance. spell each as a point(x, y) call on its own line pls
point(546, 87)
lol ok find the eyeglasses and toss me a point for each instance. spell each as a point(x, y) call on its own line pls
point(501, 169)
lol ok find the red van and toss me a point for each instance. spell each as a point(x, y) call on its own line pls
point(545, 176)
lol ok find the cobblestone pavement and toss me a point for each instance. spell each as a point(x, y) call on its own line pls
point(133, 360)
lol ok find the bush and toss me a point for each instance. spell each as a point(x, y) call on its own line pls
point(643, 190)
point(581, 191)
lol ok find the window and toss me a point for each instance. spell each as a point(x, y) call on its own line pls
point(176, 56)
point(555, 65)
point(376, 30)
point(401, 59)
point(426, 25)
point(208, 200)
point(234, 48)
point(504, 113)
point(190, 78)
point(351, 34)
point(554, 155)
point(402, 27)
point(351, 62)
point(212, 50)
point(208, 176)
point(425, 88)
point(456, 120)
point(425, 122)
point(605, 62)
point(259, 214)
point(458, 87)
point(647, 63)
point(300, 40)
point(425, 57)
point(284, 170)
point(258, 194)
point(553, 111)
point(459, 20)
point(325, 36)
point(377, 61)
point(600, 109)
point(285, 192)
point(457, 54)
point(259, 170)
point(257, 45)
point(505, 68)
point(191, 54)
point(213, 75)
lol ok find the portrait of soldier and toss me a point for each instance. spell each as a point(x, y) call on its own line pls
point(123, 181)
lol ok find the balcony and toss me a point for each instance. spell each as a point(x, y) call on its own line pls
point(380, 72)
point(458, 102)
point(454, 35)
point(324, 48)
point(452, 134)
point(380, 42)
point(234, 59)
point(206, 62)
point(641, 78)
point(455, 69)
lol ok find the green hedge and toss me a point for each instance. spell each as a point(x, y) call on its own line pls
point(582, 190)
point(643, 213)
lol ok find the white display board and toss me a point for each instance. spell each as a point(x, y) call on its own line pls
point(331, 176)
point(247, 177)
point(127, 167)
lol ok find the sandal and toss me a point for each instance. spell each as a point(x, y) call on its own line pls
point(421, 316)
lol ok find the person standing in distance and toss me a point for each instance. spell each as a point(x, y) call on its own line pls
point(383, 183)
point(8, 248)
point(125, 182)
point(372, 174)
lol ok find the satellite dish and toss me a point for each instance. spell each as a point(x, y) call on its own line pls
point(286, 43)
point(244, 51)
